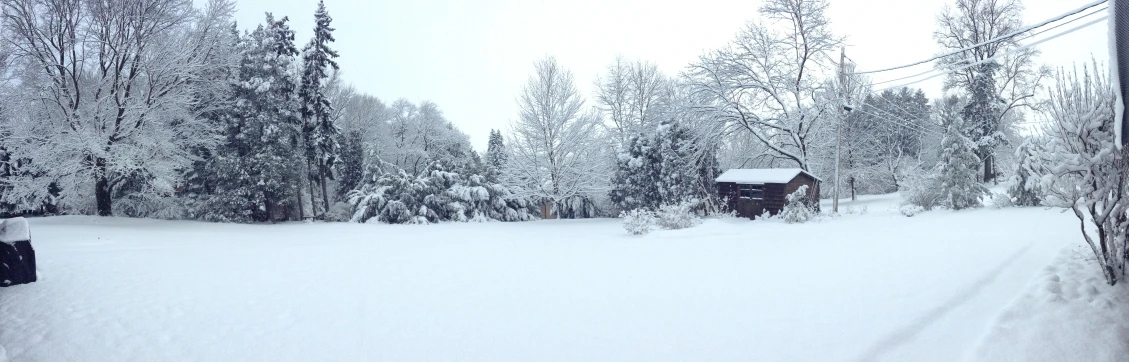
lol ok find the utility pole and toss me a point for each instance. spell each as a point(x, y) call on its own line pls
point(842, 118)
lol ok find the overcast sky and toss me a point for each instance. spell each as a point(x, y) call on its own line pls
point(473, 57)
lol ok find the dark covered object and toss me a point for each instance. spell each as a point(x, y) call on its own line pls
point(17, 258)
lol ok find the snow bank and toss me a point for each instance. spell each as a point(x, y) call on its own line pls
point(14, 229)
point(1068, 314)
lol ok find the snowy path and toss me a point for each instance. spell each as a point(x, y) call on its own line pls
point(859, 288)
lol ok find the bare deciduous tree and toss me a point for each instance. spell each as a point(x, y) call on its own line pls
point(769, 82)
point(113, 87)
point(555, 147)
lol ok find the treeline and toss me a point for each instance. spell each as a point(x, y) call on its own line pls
point(159, 108)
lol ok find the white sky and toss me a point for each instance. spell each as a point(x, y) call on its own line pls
point(473, 57)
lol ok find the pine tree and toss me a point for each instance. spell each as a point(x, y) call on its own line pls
point(677, 152)
point(351, 167)
point(495, 155)
point(959, 168)
point(318, 131)
point(635, 184)
point(668, 167)
point(250, 175)
point(982, 118)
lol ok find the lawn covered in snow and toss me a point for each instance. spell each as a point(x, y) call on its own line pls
point(868, 285)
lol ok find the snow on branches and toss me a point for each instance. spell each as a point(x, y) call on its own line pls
point(436, 195)
point(1087, 171)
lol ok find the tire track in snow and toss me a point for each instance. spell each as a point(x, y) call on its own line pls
point(909, 332)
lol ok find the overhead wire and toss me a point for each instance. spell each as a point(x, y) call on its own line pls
point(994, 40)
point(1024, 37)
point(1013, 51)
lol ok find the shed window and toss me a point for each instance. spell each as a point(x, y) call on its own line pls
point(752, 192)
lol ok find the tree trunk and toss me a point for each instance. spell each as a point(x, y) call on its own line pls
point(324, 191)
point(313, 190)
point(301, 207)
point(853, 193)
point(989, 168)
point(102, 192)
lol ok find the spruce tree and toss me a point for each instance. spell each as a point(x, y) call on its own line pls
point(319, 133)
point(250, 175)
point(495, 155)
point(982, 118)
point(351, 167)
point(959, 169)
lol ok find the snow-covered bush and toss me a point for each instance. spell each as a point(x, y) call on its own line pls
point(339, 212)
point(1087, 168)
point(1002, 200)
point(909, 210)
point(638, 221)
point(922, 189)
point(798, 208)
point(1026, 189)
point(436, 196)
point(677, 216)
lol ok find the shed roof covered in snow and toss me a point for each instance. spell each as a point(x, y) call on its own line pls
point(762, 175)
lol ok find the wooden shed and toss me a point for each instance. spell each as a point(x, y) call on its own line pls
point(751, 192)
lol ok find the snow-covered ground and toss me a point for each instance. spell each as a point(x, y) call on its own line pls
point(868, 285)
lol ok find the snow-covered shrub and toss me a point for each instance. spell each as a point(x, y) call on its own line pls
point(339, 212)
point(1002, 200)
point(922, 189)
point(798, 208)
point(1087, 168)
point(638, 221)
point(909, 210)
point(436, 196)
point(677, 216)
point(1026, 189)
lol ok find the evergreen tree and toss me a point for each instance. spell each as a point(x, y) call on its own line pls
point(982, 118)
point(668, 167)
point(250, 175)
point(351, 167)
point(1026, 189)
point(495, 154)
point(635, 184)
point(958, 171)
point(319, 133)
point(677, 153)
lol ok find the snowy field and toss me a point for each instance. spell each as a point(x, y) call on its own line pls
point(871, 285)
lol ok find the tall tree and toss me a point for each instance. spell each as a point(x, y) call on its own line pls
point(319, 133)
point(768, 82)
point(958, 170)
point(555, 147)
point(1005, 79)
point(495, 154)
point(116, 84)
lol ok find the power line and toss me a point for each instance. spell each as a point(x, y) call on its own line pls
point(1022, 38)
point(994, 40)
point(903, 123)
point(1022, 47)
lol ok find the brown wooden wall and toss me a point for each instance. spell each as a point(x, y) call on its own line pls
point(775, 196)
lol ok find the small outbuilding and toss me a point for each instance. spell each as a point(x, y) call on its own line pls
point(752, 192)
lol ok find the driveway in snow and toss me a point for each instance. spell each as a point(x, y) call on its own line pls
point(871, 287)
